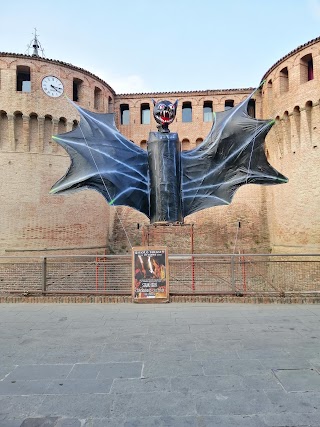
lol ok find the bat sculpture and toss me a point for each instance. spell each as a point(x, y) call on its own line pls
point(164, 183)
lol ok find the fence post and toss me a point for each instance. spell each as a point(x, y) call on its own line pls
point(44, 275)
point(192, 260)
point(233, 285)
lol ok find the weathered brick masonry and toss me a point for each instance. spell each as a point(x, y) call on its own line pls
point(283, 218)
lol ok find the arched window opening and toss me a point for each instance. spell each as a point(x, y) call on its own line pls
point(309, 105)
point(279, 136)
point(186, 112)
point(110, 105)
point(185, 144)
point(297, 121)
point(124, 114)
point(145, 114)
point(287, 128)
point(18, 130)
point(309, 118)
point(252, 108)
point(269, 90)
point(3, 129)
point(207, 111)
point(97, 102)
point(284, 80)
point(23, 79)
point(310, 68)
point(76, 89)
point(199, 141)
point(143, 144)
point(33, 132)
point(47, 134)
point(306, 68)
point(75, 124)
point(228, 103)
point(62, 125)
point(270, 94)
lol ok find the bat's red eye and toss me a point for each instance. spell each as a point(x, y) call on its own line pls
point(161, 107)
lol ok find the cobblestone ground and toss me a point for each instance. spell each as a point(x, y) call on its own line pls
point(170, 365)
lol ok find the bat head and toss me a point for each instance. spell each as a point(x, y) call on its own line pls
point(164, 112)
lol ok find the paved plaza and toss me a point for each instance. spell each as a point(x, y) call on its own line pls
point(169, 365)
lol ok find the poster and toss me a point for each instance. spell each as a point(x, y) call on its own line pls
point(150, 274)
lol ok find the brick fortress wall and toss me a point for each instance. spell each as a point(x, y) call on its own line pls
point(282, 218)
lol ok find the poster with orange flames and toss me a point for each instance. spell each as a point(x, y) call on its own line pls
point(150, 274)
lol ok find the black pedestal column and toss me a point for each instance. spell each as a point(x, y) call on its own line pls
point(165, 177)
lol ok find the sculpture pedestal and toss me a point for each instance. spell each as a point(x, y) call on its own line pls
point(165, 178)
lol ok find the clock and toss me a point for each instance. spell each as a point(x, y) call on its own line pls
point(52, 86)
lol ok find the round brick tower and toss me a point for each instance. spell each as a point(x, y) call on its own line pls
point(291, 94)
point(31, 162)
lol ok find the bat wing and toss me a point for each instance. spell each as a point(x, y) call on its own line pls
point(104, 160)
point(232, 155)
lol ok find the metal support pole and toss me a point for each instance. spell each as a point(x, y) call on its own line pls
point(105, 273)
point(233, 285)
point(44, 275)
point(244, 274)
point(192, 260)
point(97, 273)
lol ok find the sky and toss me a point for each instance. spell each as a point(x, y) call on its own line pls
point(164, 45)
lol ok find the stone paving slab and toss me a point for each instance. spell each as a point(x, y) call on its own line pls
point(171, 365)
point(299, 380)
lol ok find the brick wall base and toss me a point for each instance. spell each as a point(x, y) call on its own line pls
point(115, 299)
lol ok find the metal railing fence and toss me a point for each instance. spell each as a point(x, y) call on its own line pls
point(238, 274)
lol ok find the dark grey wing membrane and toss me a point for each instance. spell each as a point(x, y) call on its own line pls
point(232, 155)
point(104, 160)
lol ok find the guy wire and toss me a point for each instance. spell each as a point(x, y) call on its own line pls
point(255, 134)
point(253, 142)
point(236, 238)
point(104, 184)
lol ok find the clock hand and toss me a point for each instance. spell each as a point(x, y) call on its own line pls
point(58, 89)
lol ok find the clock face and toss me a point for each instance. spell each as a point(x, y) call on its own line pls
point(52, 86)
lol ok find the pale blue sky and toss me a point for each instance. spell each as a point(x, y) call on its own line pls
point(163, 45)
